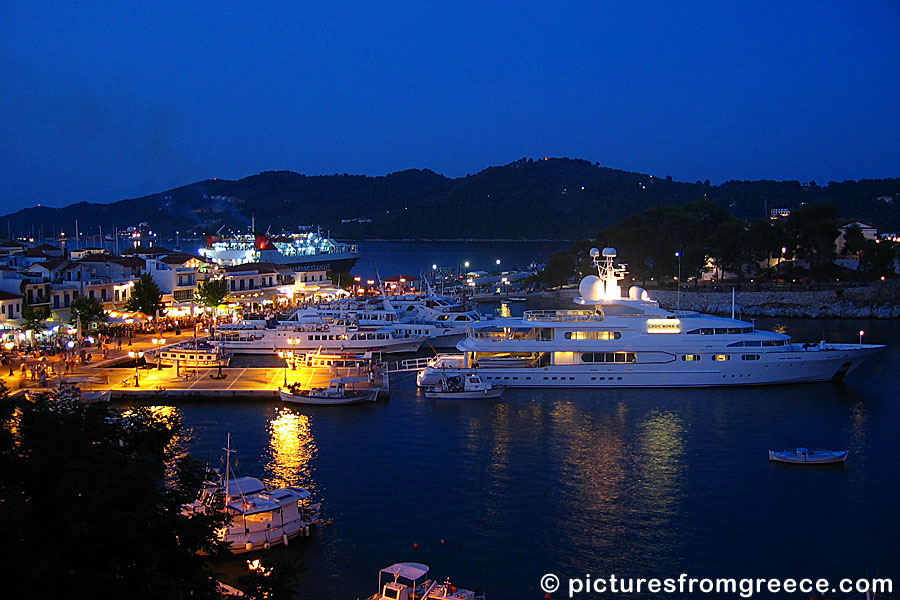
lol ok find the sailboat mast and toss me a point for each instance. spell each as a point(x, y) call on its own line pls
point(228, 452)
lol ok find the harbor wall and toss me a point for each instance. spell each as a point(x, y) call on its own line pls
point(881, 301)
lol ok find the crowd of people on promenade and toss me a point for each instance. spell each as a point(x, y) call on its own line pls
point(41, 358)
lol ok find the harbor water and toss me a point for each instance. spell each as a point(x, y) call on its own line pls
point(639, 483)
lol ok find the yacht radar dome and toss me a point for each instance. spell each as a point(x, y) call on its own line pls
point(595, 252)
point(609, 252)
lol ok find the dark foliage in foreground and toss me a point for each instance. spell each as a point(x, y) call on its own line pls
point(91, 504)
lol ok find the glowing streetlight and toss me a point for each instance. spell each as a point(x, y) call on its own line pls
point(158, 342)
point(136, 356)
point(861, 334)
point(287, 356)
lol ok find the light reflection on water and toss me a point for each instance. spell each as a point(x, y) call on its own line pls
point(291, 449)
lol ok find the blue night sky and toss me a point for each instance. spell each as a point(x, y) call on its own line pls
point(100, 101)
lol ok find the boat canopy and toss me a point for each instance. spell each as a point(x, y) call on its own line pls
point(410, 570)
point(244, 486)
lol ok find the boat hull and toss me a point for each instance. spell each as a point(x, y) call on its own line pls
point(816, 457)
point(355, 398)
point(804, 366)
point(465, 395)
point(241, 541)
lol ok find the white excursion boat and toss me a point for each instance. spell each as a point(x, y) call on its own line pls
point(325, 336)
point(194, 354)
point(335, 393)
point(261, 517)
point(805, 456)
point(404, 584)
point(415, 317)
point(463, 386)
point(630, 341)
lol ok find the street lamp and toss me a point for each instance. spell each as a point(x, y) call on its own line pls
point(136, 356)
point(861, 334)
point(287, 356)
point(157, 342)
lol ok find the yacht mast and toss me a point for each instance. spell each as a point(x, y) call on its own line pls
point(228, 452)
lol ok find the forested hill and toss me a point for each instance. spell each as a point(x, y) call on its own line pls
point(556, 198)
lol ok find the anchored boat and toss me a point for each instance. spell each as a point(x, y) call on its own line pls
point(628, 340)
point(805, 456)
point(335, 393)
point(261, 517)
point(407, 582)
point(463, 386)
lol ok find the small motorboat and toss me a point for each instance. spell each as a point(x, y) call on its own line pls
point(98, 396)
point(69, 390)
point(335, 393)
point(463, 386)
point(405, 585)
point(805, 456)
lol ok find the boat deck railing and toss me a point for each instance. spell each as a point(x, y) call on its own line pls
point(562, 315)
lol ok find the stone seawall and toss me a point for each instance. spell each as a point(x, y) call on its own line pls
point(880, 301)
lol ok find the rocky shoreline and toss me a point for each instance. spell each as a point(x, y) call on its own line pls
point(880, 301)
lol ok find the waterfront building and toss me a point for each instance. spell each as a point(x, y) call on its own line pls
point(10, 307)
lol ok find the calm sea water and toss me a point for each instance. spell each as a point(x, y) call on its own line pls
point(643, 483)
point(414, 258)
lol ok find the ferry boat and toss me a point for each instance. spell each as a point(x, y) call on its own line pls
point(303, 251)
point(630, 341)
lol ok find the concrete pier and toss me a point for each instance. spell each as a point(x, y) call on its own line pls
point(238, 382)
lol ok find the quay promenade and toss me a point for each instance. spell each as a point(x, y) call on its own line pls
point(112, 374)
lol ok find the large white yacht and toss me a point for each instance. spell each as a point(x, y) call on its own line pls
point(630, 341)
